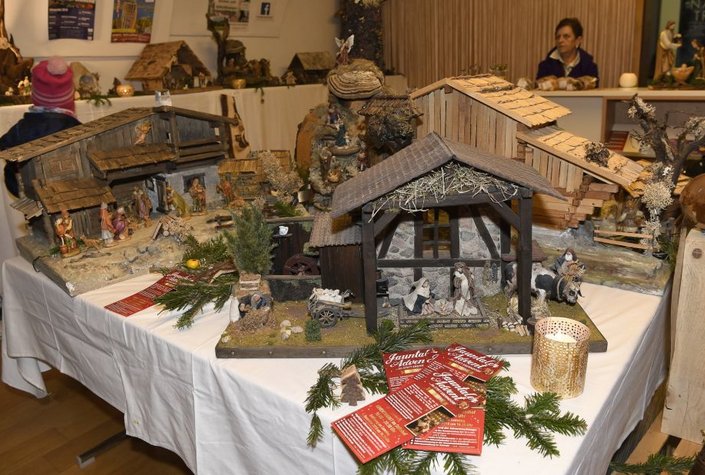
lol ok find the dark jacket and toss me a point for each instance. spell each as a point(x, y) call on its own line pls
point(32, 126)
point(553, 67)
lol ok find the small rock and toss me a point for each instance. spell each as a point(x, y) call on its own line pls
point(225, 339)
point(285, 324)
point(285, 334)
point(142, 248)
point(297, 329)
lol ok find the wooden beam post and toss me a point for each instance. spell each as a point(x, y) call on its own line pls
point(524, 257)
point(369, 269)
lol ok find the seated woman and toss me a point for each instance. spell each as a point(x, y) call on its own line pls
point(567, 60)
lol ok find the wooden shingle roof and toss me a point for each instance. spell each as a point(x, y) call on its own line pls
point(420, 158)
point(502, 96)
point(74, 134)
point(73, 194)
point(65, 137)
point(128, 157)
point(157, 59)
point(571, 148)
point(328, 231)
point(379, 105)
point(316, 61)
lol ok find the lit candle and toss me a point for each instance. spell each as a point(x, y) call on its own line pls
point(561, 337)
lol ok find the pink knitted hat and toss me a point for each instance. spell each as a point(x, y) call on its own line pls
point(52, 84)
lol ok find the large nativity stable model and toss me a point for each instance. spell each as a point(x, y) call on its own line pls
point(475, 188)
point(155, 151)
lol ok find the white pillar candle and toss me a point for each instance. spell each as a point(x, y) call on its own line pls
point(561, 337)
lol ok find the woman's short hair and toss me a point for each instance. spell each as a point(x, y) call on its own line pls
point(574, 25)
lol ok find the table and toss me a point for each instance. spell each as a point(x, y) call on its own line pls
point(247, 415)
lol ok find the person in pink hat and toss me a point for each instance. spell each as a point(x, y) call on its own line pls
point(53, 109)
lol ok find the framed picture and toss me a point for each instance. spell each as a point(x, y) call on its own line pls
point(265, 10)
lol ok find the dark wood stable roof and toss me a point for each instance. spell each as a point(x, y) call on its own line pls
point(128, 157)
point(422, 157)
point(73, 194)
point(55, 141)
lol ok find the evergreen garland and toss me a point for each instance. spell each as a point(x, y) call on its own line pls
point(657, 463)
point(536, 420)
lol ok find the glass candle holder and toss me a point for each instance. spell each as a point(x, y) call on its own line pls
point(559, 357)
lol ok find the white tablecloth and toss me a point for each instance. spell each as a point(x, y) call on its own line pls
point(247, 415)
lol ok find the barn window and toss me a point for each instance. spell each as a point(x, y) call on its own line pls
point(436, 233)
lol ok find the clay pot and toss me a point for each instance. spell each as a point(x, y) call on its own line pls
point(125, 90)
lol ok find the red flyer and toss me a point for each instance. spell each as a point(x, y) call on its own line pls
point(415, 409)
point(145, 298)
point(463, 434)
point(399, 367)
point(470, 362)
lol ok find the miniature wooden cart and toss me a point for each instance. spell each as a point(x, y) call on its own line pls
point(328, 312)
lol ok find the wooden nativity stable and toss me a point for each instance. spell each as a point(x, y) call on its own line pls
point(171, 65)
point(104, 160)
point(502, 119)
point(471, 185)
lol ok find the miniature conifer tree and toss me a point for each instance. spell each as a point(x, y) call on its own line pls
point(351, 386)
point(251, 244)
point(312, 330)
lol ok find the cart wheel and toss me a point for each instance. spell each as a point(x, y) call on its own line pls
point(327, 318)
point(298, 264)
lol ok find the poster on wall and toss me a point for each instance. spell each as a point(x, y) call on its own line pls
point(132, 21)
point(692, 27)
point(236, 11)
point(253, 18)
point(71, 19)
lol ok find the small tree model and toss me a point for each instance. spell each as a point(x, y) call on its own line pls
point(670, 158)
point(312, 330)
point(351, 386)
point(251, 244)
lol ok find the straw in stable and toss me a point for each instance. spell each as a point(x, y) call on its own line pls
point(559, 357)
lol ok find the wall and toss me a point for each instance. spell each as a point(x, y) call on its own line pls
point(306, 25)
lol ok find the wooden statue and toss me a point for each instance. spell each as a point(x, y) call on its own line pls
point(668, 43)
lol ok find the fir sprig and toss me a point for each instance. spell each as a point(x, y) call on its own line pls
point(212, 251)
point(537, 420)
point(657, 463)
point(321, 395)
point(193, 296)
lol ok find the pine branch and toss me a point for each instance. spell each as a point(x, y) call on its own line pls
point(212, 251)
point(321, 395)
point(193, 296)
point(657, 463)
point(424, 462)
point(456, 464)
point(396, 460)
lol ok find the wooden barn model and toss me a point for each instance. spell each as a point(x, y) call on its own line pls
point(311, 68)
point(171, 65)
point(105, 160)
point(474, 188)
point(499, 118)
